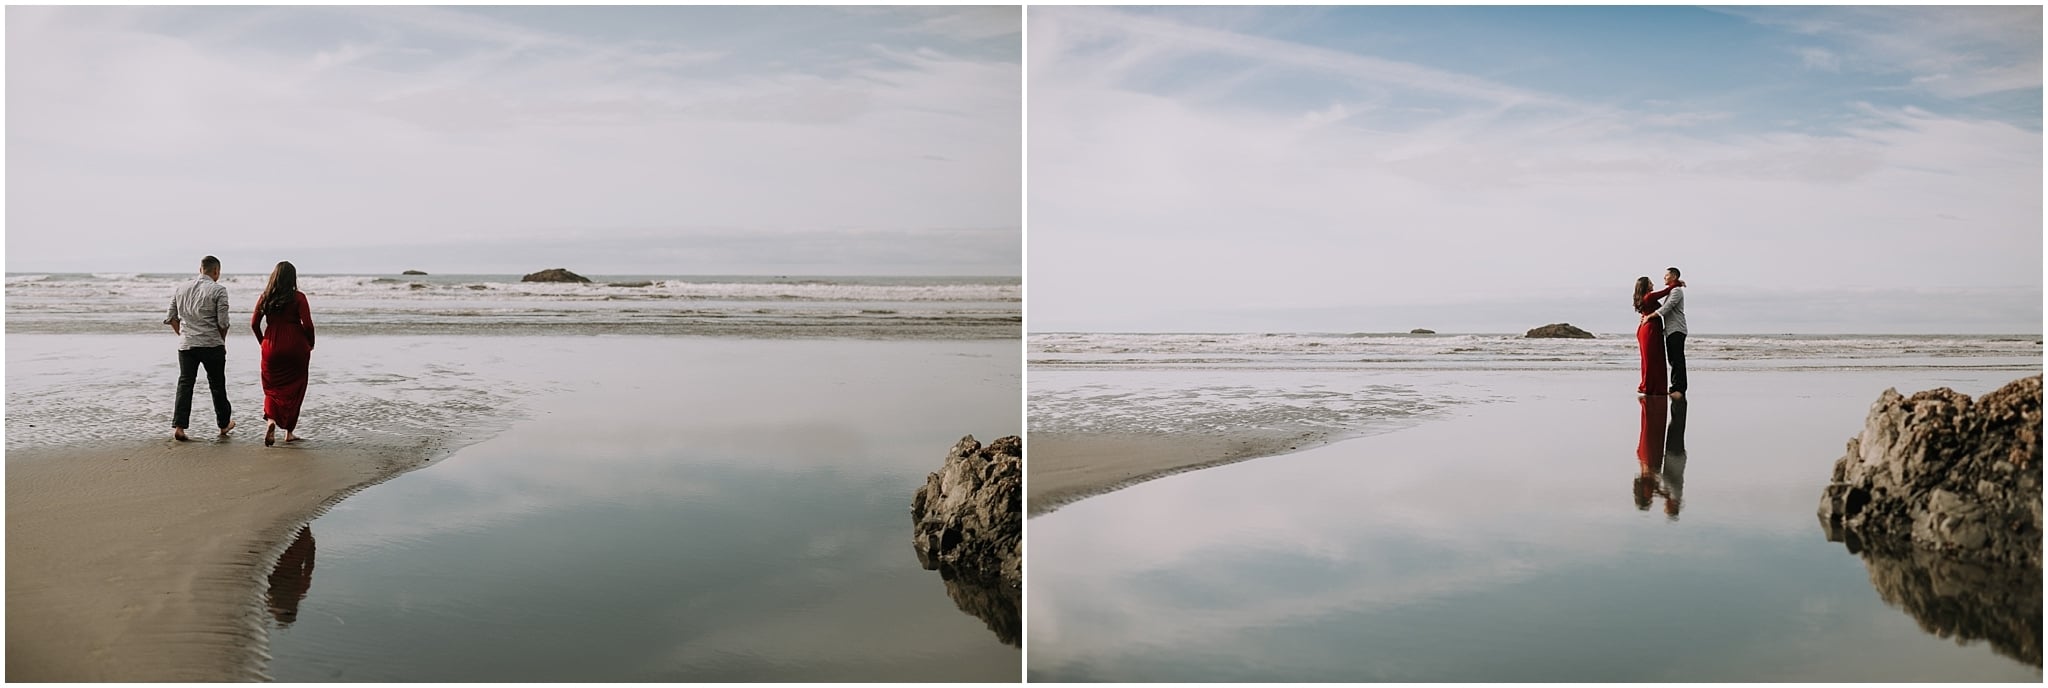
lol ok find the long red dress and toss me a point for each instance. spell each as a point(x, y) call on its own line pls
point(1650, 338)
point(287, 349)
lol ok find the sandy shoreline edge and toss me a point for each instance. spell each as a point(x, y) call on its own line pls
point(149, 561)
point(1066, 467)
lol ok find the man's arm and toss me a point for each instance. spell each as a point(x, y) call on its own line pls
point(1676, 300)
point(220, 308)
point(171, 317)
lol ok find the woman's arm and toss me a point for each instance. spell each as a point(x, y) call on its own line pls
point(256, 322)
point(1676, 301)
point(306, 318)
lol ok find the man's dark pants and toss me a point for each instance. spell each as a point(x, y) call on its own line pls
point(215, 358)
point(1674, 353)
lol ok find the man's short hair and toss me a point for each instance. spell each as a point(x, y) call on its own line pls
point(1674, 272)
point(209, 264)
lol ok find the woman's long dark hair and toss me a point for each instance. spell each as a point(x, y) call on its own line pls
point(281, 293)
point(1642, 289)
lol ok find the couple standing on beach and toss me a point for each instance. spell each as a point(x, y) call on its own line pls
point(199, 316)
point(1662, 335)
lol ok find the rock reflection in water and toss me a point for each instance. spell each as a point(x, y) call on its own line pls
point(1961, 600)
point(292, 579)
point(994, 602)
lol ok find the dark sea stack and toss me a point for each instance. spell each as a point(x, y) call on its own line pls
point(969, 515)
point(412, 272)
point(1941, 473)
point(1421, 331)
point(968, 524)
point(1558, 331)
point(555, 275)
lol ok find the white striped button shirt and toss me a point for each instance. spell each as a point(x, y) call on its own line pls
point(1673, 312)
point(201, 306)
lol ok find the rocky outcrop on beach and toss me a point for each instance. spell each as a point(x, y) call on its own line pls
point(1421, 331)
point(412, 272)
point(555, 275)
point(1558, 331)
point(968, 524)
point(1940, 472)
point(969, 516)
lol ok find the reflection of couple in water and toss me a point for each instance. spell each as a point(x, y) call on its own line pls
point(292, 579)
point(1661, 453)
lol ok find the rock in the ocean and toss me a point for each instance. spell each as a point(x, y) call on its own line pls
point(555, 275)
point(1558, 331)
point(412, 272)
point(969, 515)
point(1421, 331)
point(1937, 471)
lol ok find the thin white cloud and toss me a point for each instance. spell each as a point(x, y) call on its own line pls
point(1821, 59)
point(1151, 38)
point(1951, 52)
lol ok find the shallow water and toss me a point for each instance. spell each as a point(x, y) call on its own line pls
point(1502, 541)
point(385, 392)
point(502, 305)
point(681, 510)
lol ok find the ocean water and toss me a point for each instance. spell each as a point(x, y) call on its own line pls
point(1480, 517)
point(750, 306)
point(701, 478)
point(1346, 384)
point(1608, 351)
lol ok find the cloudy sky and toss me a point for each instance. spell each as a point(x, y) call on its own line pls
point(661, 140)
point(1493, 169)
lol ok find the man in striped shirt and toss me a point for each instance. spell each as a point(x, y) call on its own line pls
point(199, 316)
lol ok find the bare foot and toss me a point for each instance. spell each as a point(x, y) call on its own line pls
point(179, 435)
point(289, 437)
point(1677, 395)
point(270, 433)
point(224, 431)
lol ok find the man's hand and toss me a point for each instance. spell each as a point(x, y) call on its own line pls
point(174, 327)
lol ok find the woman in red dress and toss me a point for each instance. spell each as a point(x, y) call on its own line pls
point(1650, 338)
point(287, 349)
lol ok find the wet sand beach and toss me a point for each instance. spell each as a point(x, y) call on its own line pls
point(1068, 467)
point(147, 561)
